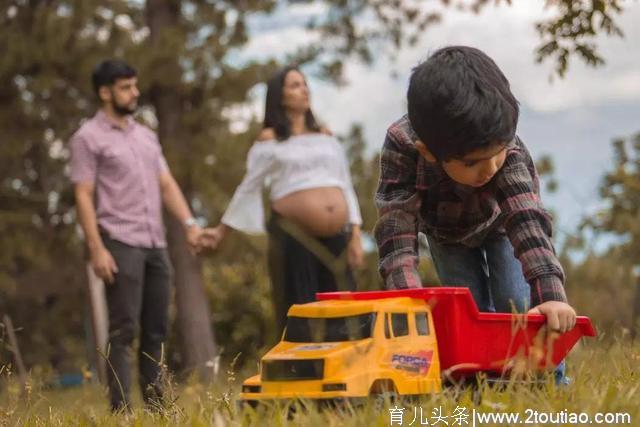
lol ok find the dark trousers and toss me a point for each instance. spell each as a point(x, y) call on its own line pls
point(138, 299)
point(296, 273)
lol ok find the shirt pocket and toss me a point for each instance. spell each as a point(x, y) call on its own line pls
point(115, 161)
point(150, 155)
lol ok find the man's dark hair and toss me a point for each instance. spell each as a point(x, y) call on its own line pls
point(275, 115)
point(459, 101)
point(107, 72)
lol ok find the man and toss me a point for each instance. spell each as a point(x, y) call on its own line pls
point(121, 182)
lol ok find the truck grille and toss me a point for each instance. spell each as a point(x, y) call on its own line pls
point(292, 370)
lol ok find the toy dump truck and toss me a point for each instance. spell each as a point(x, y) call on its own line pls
point(403, 342)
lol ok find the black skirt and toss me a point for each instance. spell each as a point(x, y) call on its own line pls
point(301, 265)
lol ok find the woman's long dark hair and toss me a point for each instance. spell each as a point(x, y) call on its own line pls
point(275, 115)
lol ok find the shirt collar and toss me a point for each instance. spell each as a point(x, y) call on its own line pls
point(108, 123)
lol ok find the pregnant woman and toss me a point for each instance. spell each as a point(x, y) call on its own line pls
point(311, 197)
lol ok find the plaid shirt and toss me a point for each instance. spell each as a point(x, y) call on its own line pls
point(417, 196)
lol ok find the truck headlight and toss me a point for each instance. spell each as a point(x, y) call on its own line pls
point(334, 387)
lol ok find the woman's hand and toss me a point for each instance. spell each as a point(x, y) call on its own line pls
point(355, 254)
point(212, 236)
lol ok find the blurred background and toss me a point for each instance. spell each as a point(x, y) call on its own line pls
point(573, 65)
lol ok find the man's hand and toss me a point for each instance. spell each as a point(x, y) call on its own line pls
point(561, 317)
point(103, 264)
point(194, 235)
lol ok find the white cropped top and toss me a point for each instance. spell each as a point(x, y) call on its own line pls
point(298, 163)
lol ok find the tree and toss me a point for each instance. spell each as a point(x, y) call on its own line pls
point(620, 190)
point(49, 49)
point(398, 23)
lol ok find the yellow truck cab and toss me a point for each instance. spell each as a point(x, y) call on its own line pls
point(348, 349)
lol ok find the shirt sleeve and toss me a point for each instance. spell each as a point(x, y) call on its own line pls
point(84, 160)
point(355, 216)
point(398, 203)
point(529, 228)
point(245, 211)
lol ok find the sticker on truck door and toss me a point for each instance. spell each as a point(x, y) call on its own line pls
point(417, 363)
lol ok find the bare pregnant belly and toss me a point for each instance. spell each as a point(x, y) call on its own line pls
point(320, 212)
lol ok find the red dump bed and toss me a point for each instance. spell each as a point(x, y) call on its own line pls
point(471, 341)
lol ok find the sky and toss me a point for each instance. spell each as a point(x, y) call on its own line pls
point(573, 119)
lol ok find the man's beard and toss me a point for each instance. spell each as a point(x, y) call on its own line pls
point(124, 110)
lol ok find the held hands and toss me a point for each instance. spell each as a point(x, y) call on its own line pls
point(103, 264)
point(199, 239)
point(561, 317)
point(194, 236)
point(212, 236)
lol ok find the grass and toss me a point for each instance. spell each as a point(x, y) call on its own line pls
point(604, 380)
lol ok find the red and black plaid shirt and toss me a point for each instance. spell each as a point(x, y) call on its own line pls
point(417, 196)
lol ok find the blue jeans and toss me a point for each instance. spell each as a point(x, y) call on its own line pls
point(491, 272)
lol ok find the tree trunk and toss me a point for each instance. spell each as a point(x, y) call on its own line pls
point(193, 319)
point(194, 323)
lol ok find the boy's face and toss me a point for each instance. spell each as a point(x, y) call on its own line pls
point(476, 168)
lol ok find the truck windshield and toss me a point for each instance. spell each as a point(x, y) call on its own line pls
point(329, 329)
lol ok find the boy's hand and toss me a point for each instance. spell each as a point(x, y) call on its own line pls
point(561, 317)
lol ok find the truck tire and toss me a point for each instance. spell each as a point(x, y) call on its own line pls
point(383, 391)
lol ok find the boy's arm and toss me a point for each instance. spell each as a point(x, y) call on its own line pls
point(529, 228)
point(397, 202)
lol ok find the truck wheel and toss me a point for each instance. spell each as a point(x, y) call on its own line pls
point(382, 392)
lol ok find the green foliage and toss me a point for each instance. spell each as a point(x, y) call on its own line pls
point(620, 191)
point(569, 32)
point(398, 24)
point(606, 279)
point(611, 277)
point(46, 61)
point(49, 332)
point(240, 298)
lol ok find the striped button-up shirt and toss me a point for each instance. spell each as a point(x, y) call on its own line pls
point(124, 164)
point(415, 195)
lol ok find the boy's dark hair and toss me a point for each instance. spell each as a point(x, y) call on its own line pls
point(275, 115)
point(459, 101)
point(107, 72)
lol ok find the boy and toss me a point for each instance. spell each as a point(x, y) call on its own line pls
point(454, 169)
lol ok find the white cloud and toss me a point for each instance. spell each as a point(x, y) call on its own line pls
point(506, 33)
point(277, 44)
